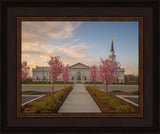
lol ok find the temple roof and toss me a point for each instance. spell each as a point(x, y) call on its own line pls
point(79, 65)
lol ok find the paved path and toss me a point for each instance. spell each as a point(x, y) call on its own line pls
point(26, 98)
point(29, 98)
point(125, 88)
point(79, 101)
point(134, 99)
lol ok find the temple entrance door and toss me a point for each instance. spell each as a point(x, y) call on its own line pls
point(79, 77)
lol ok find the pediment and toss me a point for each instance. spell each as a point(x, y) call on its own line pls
point(79, 66)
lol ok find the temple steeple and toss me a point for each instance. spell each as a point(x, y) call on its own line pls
point(112, 48)
point(112, 56)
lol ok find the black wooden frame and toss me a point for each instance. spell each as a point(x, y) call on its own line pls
point(154, 4)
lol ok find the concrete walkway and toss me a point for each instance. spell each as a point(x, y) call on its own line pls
point(79, 101)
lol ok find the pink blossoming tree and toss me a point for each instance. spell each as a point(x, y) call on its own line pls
point(55, 69)
point(65, 74)
point(93, 74)
point(107, 72)
point(24, 70)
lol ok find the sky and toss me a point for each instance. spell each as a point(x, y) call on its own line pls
point(80, 41)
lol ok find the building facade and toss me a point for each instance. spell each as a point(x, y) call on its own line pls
point(78, 72)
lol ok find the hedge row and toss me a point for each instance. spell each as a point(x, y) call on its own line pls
point(48, 103)
point(112, 104)
point(89, 82)
point(114, 83)
point(125, 83)
point(45, 82)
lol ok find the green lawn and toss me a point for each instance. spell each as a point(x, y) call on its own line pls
point(136, 92)
point(30, 92)
point(117, 91)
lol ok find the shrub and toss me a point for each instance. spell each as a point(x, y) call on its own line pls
point(113, 83)
point(70, 83)
point(125, 83)
point(45, 82)
point(48, 103)
point(79, 82)
point(126, 108)
point(106, 99)
point(114, 103)
point(98, 82)
point(58, 82)
point(88, 82)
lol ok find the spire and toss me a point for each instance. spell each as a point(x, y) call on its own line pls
point(112, 49)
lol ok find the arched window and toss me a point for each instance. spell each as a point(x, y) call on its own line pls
point(72, 77)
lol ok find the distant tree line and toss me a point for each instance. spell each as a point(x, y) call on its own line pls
point(131, 78)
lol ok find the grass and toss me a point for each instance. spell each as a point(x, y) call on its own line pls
point(136, 92)
point(117, 91)
point(112, 104)
point(49, 103)
point(30, 92)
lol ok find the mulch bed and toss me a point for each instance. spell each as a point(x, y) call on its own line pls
point(58, 105)
point(104, 107)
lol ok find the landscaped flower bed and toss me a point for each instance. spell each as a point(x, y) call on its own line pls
point(49, 103)
point(108, 103)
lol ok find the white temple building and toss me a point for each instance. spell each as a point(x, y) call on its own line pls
point(78, 72)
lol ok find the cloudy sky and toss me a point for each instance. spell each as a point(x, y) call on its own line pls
point(80, 41)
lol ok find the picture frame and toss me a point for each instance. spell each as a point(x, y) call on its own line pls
point(12, 10)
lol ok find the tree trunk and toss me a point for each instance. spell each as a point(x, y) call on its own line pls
point(53, 87)
point(106, 88)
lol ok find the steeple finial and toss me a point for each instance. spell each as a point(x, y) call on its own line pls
point(112, 49)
